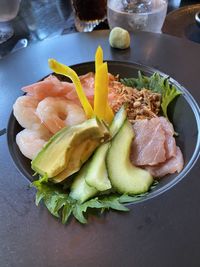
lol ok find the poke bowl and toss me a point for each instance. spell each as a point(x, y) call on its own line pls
point(183, 113)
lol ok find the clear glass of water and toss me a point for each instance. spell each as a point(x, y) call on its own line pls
point(137, 15)
point(8, 11)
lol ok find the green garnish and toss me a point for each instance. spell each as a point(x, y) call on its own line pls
point(157, 84)
point(40, 181)
point(168, 96)
point(62, 206)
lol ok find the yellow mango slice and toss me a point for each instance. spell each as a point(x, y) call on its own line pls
point(60, 68)
point(98, 58)
point(101, 91)
point(109, 114)
point(101, 106)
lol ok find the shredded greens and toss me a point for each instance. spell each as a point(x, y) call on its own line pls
point(157, 84)
point(61, 205)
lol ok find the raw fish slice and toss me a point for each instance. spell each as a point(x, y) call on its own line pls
point(148, 146)
point(51, 86)
point(172, 165)
point(167, 126)
point(170, 146)
point(87, 82)
point(72, 95)
point(170, 142)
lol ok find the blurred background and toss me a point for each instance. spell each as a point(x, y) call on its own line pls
point(37, 20)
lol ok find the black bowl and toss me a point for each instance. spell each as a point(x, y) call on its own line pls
point(184, 113)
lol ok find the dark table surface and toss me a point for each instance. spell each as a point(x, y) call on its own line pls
point(39, 20)
point(161, 232)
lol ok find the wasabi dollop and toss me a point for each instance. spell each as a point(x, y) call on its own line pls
point(119, 38)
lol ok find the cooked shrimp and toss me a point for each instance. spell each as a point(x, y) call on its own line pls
point(30, 142)
point(24, 111)
point(57, 112)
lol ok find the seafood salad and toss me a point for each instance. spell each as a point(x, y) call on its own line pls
point(98, 141)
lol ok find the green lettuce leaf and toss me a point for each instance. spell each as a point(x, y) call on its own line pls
point(52, 196)
point(168, 96)
point(60, 205)
point(66, 212)
point(40, 181)
point(140, 82)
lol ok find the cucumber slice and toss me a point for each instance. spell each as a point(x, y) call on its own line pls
point(118, 121)
point(125, 178)
point(97, 175)
point(80, 190)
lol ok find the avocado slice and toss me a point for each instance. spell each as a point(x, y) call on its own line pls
point(67, 146)
point(97, 175)
point(78, 157)
point(125, 178)
point(79, 189)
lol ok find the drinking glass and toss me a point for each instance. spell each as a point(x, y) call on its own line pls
point(8, 11)
point(137, 15)
point(88, 13)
